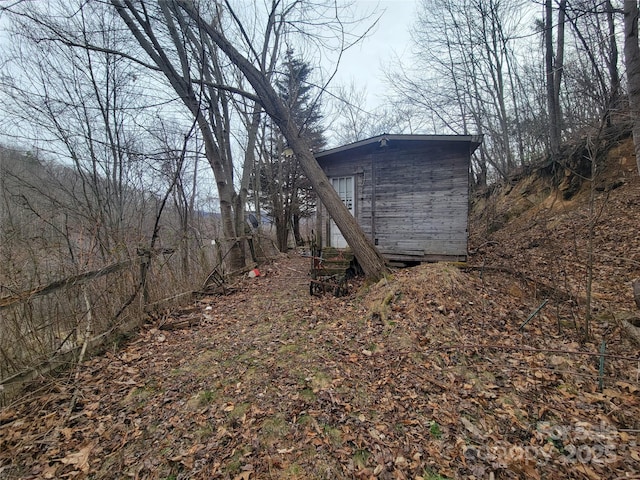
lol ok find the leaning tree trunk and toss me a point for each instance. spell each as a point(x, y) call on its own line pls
point(181, 83)
point(368, 257)
point(632, 62)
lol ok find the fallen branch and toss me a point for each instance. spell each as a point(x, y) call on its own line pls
point(74, 280)
point(181, 323)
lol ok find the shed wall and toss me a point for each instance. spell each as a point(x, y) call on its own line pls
point(412, 201)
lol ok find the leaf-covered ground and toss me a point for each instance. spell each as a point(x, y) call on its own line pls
point(425, 375)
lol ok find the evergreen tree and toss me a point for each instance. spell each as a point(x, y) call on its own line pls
point(297, 93)
point(285, 193)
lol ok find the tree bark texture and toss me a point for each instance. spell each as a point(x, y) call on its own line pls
point(180, 81)
point(553, 67)
point(635, 284)
point(632, 63)
point(612, 63)
point(369, 258)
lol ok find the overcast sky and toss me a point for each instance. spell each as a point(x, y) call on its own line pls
point(364, 63)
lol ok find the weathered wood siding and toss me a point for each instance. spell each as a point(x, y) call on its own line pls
point(411, 198)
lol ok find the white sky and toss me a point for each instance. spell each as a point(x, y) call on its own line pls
point(364, 63)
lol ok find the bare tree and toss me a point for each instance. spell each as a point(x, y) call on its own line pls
point(352, 122)
point(182, 20)
point(465, 76)
point(192, 67)
point(612, 60)
point(369, 258)
point(84, 106)
point(593, 78)
point(178, 161)
point(632, 62)
point(554, 64)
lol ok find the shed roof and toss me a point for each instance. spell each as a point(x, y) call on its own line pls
point(473, 140)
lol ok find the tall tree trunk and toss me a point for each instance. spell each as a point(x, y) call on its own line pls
point(281, 232)
point(554, 68)
point(612, 64)
point(558, 64)
point(369, 258)
point(233, 253)
point(632, 62)
point(296, 230)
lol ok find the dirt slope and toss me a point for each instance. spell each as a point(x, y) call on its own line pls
point(425, 375)
point(530, 227)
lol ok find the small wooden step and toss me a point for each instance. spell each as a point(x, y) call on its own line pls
point(330, 269)
point(337, 255)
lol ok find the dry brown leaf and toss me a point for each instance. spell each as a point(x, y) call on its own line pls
point(586, 469)
point(409, 411)
point(628, 386)
point(79, 459)
point(243, 476)
point(472, 428)
point(49, 471)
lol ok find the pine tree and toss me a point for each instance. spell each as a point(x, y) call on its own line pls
point(296, 91)
point(286, 193)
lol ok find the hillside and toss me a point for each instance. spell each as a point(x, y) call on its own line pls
point(539, 226)
point(425, 375)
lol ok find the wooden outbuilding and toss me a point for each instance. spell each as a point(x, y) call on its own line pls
point(409, 193)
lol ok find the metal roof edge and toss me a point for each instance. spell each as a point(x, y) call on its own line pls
point(474, 140)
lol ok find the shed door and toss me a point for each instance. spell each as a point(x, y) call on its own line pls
point(344, 187)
